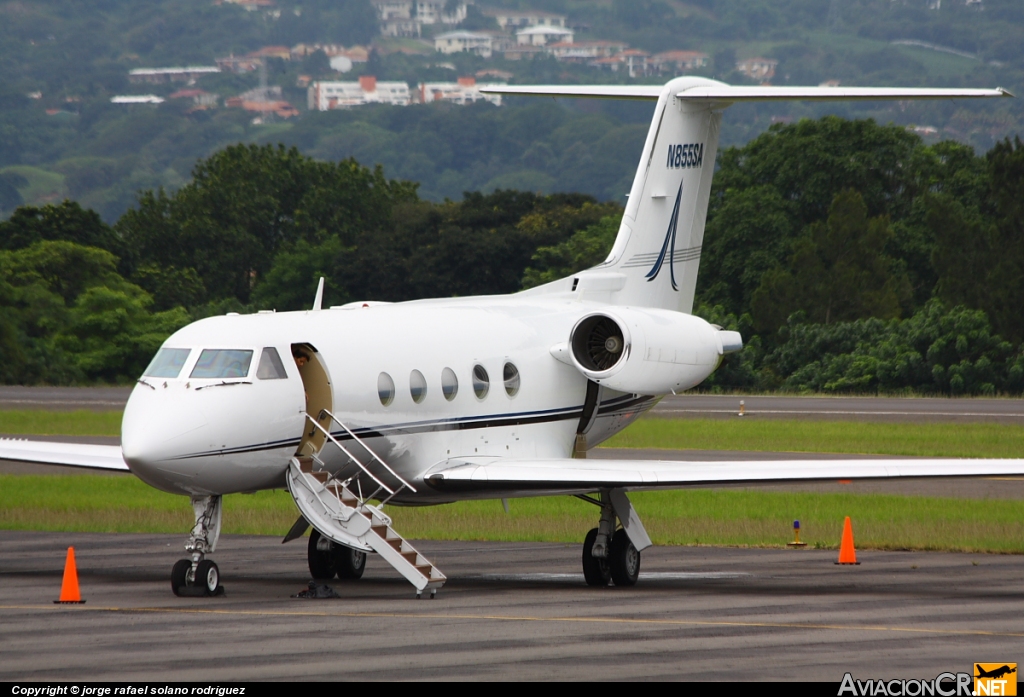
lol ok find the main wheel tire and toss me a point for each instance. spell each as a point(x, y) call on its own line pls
point(207, 576)
point(349, 563)
point(321, 564)
point(179, 575)
point(624, 560)
point(595, 569)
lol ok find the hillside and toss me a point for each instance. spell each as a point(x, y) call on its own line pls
point(63, 62)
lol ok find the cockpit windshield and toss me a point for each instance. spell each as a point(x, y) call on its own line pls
point(222, 363)
point(167, 363)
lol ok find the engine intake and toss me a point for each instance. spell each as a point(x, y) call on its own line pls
point(648, 351)
point(598, 343)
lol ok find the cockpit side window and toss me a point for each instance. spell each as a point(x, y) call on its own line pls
point(271, 367)
point(222, 363)
point(167, 363)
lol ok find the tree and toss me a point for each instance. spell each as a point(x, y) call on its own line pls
point(247, 202)
point(838, 270)
point(66, 221)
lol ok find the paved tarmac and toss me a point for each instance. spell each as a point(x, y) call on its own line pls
point(510, 611)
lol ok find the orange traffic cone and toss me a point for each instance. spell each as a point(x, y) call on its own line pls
point(847, 554)
point(69, 594)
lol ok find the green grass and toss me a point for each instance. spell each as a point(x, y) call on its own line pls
point(43, 186)
point(926, 440)
point(29, 422)
point(713, 517)
point(90, 503)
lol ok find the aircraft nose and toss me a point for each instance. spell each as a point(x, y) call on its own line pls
point(159, 427)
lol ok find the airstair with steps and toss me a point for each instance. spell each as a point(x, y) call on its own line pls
point(334, 502)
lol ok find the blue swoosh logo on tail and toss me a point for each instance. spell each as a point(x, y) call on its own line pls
point(668, 248)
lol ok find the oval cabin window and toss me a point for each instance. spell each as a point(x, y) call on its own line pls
point(510, 374)
point(481, 381)
point(385, 389)
point(449, 384)
point(417, 386)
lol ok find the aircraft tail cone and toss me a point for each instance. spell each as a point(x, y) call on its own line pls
point(69, 594)
point(847, 554)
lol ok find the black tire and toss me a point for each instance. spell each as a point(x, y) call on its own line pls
point(624, 560)
point(321, 565)
point(595, 570)
point(348, 563)
point(207, 577)
point(179, 575)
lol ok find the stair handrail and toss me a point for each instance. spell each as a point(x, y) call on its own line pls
point(343, 449)
point(368, 449)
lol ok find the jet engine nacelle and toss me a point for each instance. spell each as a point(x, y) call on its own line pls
point(648, 351)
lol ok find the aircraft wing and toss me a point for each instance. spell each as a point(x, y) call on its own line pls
point(102, 457)
point(483, 475)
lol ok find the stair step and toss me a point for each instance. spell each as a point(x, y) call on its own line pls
point(425, 570)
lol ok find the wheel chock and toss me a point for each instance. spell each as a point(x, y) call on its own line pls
point(317, 592)
point(69, 594)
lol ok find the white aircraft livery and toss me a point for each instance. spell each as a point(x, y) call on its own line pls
point(427, 402)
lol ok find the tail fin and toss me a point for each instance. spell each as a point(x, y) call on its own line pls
point(656, 254)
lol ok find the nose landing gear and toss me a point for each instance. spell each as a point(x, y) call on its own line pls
point(199, 576)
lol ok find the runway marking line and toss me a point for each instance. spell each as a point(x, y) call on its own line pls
point(520, 618)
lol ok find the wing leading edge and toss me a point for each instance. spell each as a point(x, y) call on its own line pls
point(102, 457)
point(480, 475)
point(710, 90)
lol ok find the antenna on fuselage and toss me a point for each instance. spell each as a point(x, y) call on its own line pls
point(318, 301)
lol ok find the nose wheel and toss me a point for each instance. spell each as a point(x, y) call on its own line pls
point(199, 576)
point(203, 580)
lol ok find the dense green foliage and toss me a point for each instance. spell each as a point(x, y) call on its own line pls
point(255, 228)
point(856, 259)
point(851, 256)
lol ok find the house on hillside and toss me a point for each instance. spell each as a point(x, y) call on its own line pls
point(238, 64)
point(675, 62)
point(585, 51)
point(632, 61)
point(464, 41)
point(161, 75)
point(407, 17)
point(757, 68)
point(282, 52)
point(510, 19)
point(201, 98)
point(325, 96)
point(465, 91)
point(543, 35)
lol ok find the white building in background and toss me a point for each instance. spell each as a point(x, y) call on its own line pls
point(510, 19)
point(407, 17)
point(465, 91)
point(158, 75)
point(324, 96)
point(459, 41)
point(137, 99)
point(543, 35)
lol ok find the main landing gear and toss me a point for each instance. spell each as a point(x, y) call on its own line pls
point(610, 555)
point(199, 576)
point(327, 559)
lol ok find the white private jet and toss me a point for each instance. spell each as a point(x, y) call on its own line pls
point(434, 401)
